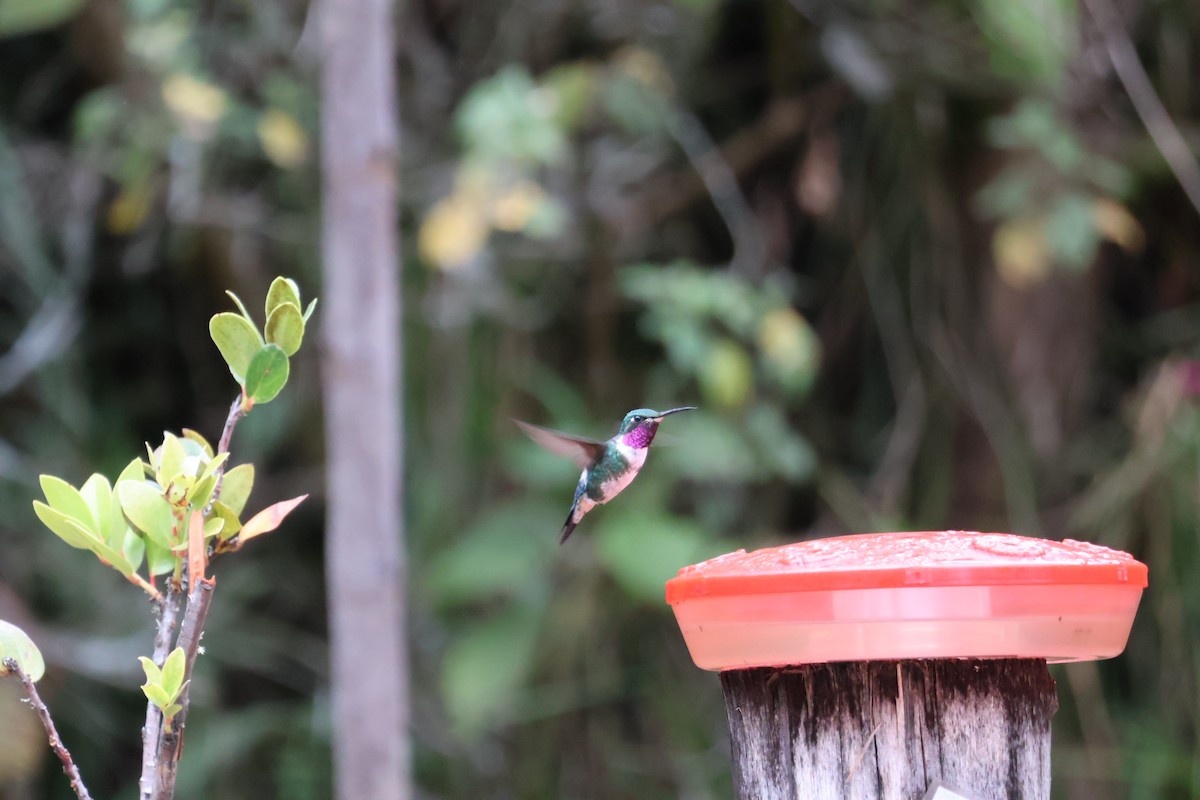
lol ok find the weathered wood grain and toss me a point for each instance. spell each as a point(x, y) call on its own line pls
point(886, 730)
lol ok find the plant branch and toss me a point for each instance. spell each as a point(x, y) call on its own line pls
point(160, 749)
point(60, 750)
point(170, 743)
point(166, 613)
point(236, 412)
point(1146, 102)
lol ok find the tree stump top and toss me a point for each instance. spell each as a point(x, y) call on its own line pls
point(946, 594)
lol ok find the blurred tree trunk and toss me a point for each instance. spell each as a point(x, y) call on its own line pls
point(362, 378)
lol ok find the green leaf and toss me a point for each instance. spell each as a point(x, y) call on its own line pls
point(133, 547)
point(236, 486)
point(266, 374)
point(311, 307)
point(232, 523)
point(66, 499)
point(16, 644)
point(170, 459)
point(237, 301)
point(112, 557)
point(213, 464)
point(201, 492)
point(178, 486)
point(192, 436)
point(283, 291)
point(285, 327)
point(134, 471)
point(153, 673)
point(213, 526)
point(155, 694)
point(71, 532)
point(66, 528)
point(97, 494)
point(159, 560)
point(237, 339)
point(148, 510)
point(172, 673)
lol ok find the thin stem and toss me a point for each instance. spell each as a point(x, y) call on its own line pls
point(170, 743)
point(236, 412)
point(145, 586)
point(1146, 102)
point(160, 749)
point(56, 744)
point(166, 612)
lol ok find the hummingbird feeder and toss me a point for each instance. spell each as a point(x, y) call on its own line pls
point(899, 664)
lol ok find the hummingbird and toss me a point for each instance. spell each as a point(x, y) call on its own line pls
point(608, 467)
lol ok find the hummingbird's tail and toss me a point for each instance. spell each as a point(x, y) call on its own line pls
point(568, 526)
point(580, 505)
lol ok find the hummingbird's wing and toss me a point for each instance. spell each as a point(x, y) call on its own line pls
point(584, 452)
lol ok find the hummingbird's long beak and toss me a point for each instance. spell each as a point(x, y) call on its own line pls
point(675, 411)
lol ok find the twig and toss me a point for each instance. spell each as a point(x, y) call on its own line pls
point(236, 412)
point(161, 750)
point(1146, 102)
point(170, 744)
point(667, 194)
point(166, 612)
point(60, 750)
point(749, 249)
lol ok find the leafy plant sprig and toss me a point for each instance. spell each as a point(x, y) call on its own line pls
point(170, 512)
point(163, 686)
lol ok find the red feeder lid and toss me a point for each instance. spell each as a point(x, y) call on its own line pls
point(946, 594)
point(893, 560)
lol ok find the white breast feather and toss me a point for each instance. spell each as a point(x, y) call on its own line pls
point(636, 457)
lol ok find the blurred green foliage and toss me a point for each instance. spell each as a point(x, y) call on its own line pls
point(919, 265)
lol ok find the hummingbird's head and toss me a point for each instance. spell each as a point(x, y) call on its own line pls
point(640, 425)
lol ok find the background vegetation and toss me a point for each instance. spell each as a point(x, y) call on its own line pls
point(919, 263)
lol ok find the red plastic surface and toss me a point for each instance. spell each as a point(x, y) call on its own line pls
point(894, 560)
point(946, 594)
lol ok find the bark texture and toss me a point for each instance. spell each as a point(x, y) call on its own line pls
point(362, 368)
point(881, 730)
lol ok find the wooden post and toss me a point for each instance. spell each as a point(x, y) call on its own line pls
point(901, 666)
point(889, 730)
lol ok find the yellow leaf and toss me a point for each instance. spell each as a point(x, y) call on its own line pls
point(128, 210)
point(513, 209)
point(282, 138)
point(789, 346)
point(645, 67)
point(1117, 225)
point(727, 375)
point(453, 233)
point(198, 104)
point(1022, 258)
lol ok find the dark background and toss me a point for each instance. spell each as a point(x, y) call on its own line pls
point(934, 275)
